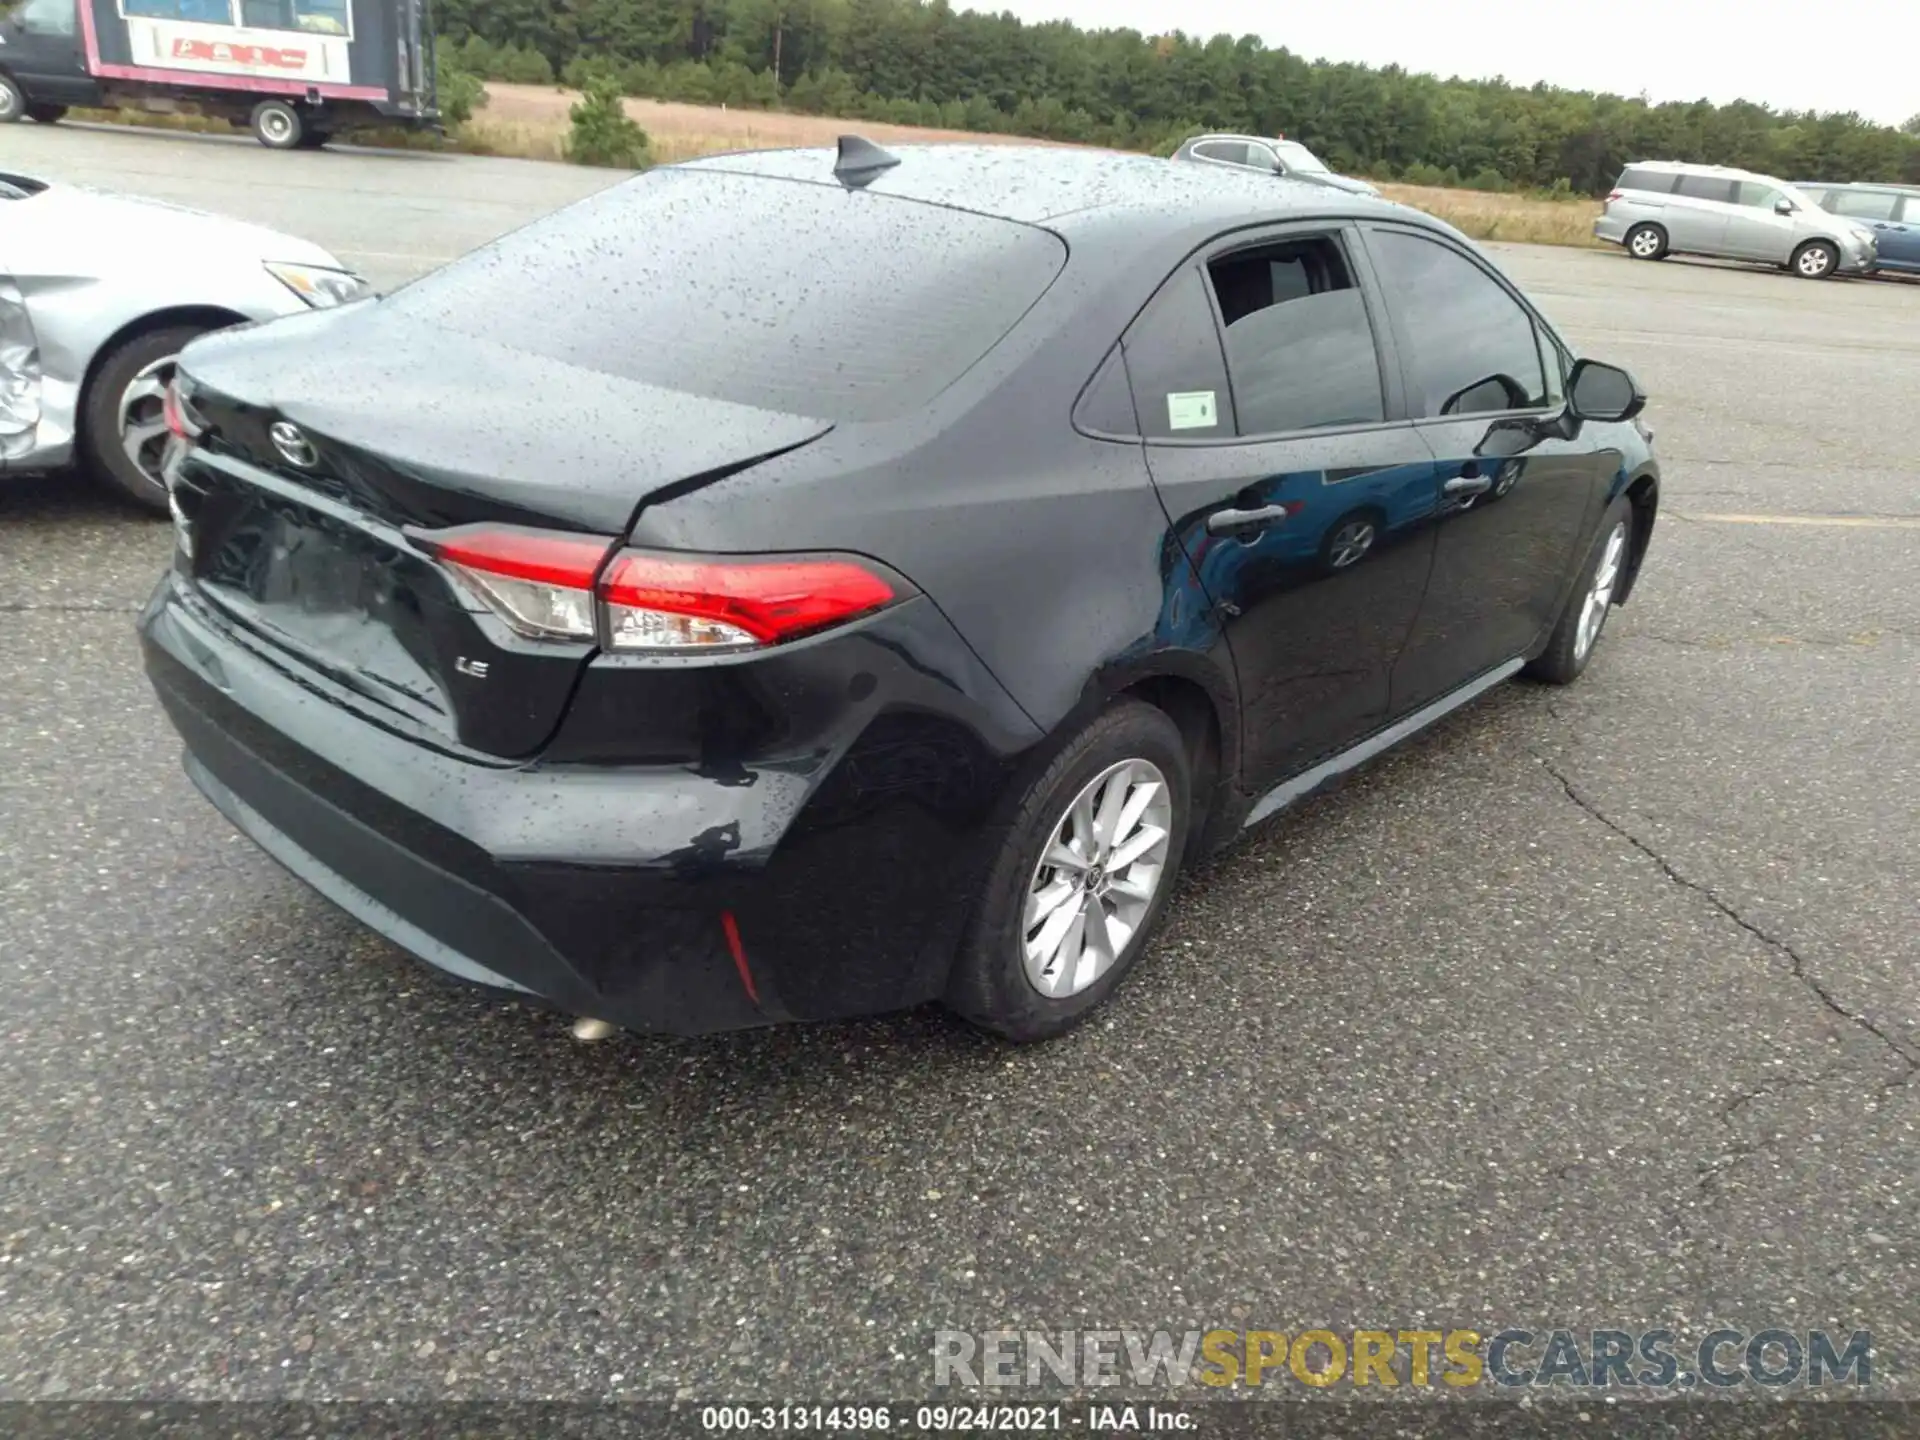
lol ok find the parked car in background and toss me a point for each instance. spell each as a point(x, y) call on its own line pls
point(833, 650)
point(1269, 156)
point(1892, 210)
point(1659, 208)
point(98, 295)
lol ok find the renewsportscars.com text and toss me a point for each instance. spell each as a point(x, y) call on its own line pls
point(1513, 1358)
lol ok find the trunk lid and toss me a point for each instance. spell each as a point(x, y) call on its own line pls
point(309, 538)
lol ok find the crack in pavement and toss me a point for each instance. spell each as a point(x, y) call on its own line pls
point(1795, 960)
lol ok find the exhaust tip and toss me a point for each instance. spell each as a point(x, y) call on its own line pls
point(589, 1030)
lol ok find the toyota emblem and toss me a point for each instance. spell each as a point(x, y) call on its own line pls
point(293, 445)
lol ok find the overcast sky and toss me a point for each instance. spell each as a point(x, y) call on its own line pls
point(1833, 55)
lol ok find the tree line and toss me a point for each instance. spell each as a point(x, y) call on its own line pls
point(923, 62)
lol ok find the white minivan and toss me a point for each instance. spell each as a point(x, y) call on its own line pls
point(1660, 208)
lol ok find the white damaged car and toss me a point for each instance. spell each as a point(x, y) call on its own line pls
point(99, 293)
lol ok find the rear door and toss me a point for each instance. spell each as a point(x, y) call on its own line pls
point(1697, 216)
point(1478, 368)
point(1275, 435)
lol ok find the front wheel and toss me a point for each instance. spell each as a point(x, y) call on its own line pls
point(278, 126)
point(1081, 878)
point(1816, 260)
point(123, 427)
point(1578, 632)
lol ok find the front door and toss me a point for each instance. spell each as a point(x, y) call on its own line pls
point(1900, 238)
point(1298, 491)
point(1756, 230)
point(1483, 379)
point(40, 48)
point(1899, 242)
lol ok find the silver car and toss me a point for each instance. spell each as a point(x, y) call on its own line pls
point(1660, 208)
point(1275, 156)
point(98, 295)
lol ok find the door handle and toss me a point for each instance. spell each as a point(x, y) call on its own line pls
point(1239, 522)
point(1467, 485)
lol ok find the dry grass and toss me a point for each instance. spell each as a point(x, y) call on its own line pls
point(530, 122)
point(1523, 219)
point(684, 132)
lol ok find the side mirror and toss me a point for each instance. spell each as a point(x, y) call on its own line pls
point(1783, 206)
point(1603, 392)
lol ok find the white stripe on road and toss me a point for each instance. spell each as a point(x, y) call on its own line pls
point(1852, 522)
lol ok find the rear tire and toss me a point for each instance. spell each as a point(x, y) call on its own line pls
point(1816, 260)
point(1132, 756)
point(122, 433)
point(1584, 620)
point(277, 125)
point(46, 114)
point(13, 104)
point(1647, 242)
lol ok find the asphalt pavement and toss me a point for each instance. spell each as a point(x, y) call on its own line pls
point(1596, 1007)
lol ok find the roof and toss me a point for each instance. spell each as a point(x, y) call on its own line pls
point(1732, 172)
point(1047, 184)
point(1884, 187)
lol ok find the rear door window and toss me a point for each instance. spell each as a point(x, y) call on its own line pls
point(1911, 213)
point(1233, 152)
point(1300, 348)
point(1705, 187)
point(791, 297)
point(1468, 347)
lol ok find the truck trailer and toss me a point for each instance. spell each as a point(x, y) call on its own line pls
point(295, 71)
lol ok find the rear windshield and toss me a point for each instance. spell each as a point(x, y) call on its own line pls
point(801, 298)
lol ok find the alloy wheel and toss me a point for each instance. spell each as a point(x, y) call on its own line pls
point(9, 103)
point(1096, 881)
point(1350, 544)
point(1593, 611)
point(1815, 261)
point(1646, 244)
point(143, 421)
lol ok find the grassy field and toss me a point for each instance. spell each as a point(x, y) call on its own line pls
point(530, 122)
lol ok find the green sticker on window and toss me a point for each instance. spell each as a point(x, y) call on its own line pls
point(1193, 410)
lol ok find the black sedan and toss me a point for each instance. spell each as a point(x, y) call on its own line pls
point(804, 584)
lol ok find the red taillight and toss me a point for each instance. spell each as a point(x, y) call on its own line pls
point(539, 581)
point(544, 557)
point(548, 585)
point(174, 412)
point(669, 602)
point(1612, 196)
